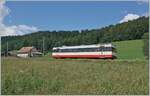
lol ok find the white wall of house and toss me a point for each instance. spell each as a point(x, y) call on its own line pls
point(25, 55)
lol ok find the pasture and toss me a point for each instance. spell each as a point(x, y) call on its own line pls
point(130, 49)
point(73, 76)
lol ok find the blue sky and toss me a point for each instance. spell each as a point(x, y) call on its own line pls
point(65, 15)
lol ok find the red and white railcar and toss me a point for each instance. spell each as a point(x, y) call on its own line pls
point(85, 51)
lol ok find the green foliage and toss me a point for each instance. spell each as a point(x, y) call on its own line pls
point(126, 31)
point(146, 45)
point(46, 75)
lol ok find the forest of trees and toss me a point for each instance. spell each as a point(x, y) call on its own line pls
point(119, 32)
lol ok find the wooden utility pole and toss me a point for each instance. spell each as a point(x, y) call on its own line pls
point(43, 49)
point(7, 49)
point(0, 51)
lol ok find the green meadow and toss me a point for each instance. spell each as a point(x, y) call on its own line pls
point(131, 49)
point(127, 75)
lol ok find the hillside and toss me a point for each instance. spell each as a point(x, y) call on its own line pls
point(120, 32)
point(131, 49)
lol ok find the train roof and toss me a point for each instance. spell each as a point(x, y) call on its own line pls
point(85, 46)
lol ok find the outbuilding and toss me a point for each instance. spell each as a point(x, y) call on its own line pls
point(28, 52)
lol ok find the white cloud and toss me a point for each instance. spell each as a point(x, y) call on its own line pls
point(3, 11)
point(129, 17)
point(14, 29)
point(24, 29)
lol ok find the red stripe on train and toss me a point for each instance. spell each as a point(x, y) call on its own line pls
point(82, 56)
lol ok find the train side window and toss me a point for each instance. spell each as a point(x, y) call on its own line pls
point(102, 48)
point(108, 49)
point(59, 50)
point(97, 49)
point(76, 50)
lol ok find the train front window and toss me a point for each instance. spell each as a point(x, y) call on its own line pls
point(55, 50)
point(105, 49)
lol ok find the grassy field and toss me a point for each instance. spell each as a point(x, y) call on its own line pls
point(131, 49)
point(74, 76)
point(45, 75)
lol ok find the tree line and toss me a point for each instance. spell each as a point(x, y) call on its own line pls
point(125, 31)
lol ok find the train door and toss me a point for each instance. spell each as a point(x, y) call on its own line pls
point(102, 51)
point(103, 54)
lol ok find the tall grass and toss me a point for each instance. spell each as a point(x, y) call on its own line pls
point(74, 76)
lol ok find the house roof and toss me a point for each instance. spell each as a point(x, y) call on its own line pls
point(25, 49)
